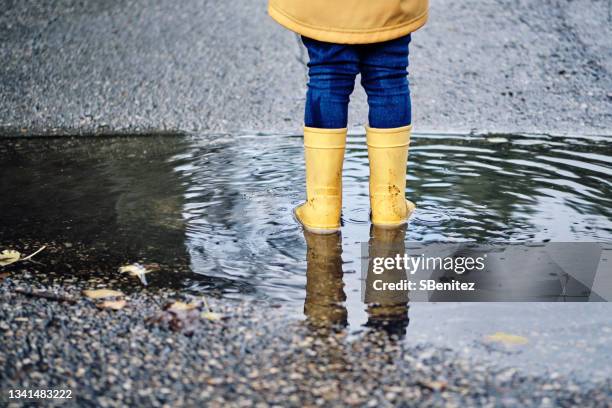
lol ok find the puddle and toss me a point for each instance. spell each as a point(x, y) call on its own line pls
point(216, 214)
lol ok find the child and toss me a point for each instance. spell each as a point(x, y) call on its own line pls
point(344, 38)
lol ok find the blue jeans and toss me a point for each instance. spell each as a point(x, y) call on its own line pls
point(332, 70)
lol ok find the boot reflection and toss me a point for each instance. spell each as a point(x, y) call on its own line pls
point(387, 309)
point(324, 307)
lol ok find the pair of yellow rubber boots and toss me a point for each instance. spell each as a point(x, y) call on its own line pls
point(324, 153)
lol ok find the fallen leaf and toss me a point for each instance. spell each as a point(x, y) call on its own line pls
point(507, 339)
point(102, 293)
point(4, 275)
point(183, 317)
point(112, 304)
point(9, 256)
point(133, 269)
point(211, 316)
point(181, 306)
point(434, 385)
point(136, 270)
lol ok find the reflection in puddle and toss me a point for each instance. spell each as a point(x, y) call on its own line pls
point(387, 309)
point(324, 304)
point(216, 212)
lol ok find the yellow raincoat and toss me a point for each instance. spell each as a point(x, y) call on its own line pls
point(350, 21)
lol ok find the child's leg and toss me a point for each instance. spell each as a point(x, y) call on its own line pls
point(332, 70)
point(384, 77)
point(385, 80)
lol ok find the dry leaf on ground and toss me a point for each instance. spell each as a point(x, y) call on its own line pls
point(211, 316)
point(185, 317)
point(433, 385)
point(112, 304)
point(102, 293)
point(177, 316)
point(507, 339)
point(181, 306)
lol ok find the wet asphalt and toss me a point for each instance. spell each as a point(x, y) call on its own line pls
point(132, 66)
point(85, 67)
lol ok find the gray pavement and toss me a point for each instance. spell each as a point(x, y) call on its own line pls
point(72, 67)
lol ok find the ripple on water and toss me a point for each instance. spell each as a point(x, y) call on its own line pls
point(224, 205)
point(429, 218)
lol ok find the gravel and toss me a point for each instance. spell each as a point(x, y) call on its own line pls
point(253, 356)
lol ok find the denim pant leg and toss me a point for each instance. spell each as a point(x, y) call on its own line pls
point(384, 77)
point(332, 70)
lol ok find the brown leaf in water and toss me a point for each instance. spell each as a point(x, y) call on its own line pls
point(136, 270)
point(9, 256)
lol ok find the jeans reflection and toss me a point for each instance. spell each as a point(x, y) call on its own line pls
point(324, 305)
point(387, 309)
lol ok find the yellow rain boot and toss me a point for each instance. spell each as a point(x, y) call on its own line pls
point(388, 155)
point(324, 152)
